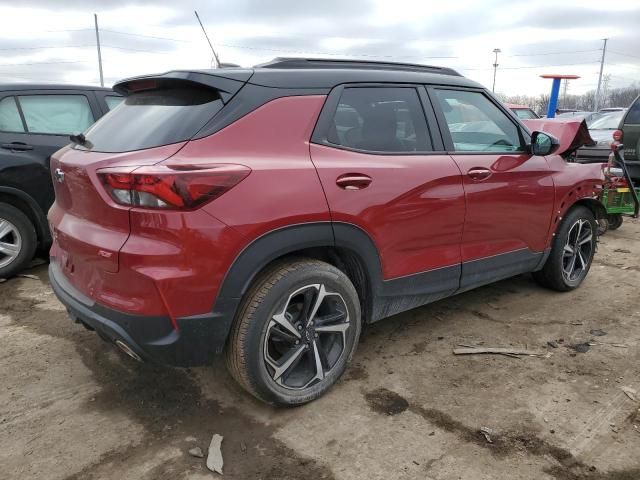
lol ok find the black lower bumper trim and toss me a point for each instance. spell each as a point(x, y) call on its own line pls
point(196, 342)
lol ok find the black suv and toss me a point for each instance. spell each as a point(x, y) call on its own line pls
point(35, 121)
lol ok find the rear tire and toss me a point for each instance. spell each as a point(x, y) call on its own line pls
point(572, 251)
point(18, 240)
point(295, 332)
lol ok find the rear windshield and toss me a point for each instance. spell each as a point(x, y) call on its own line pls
point(154, 118)
point(608, 121)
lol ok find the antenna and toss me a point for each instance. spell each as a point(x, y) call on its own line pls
point(215, 55)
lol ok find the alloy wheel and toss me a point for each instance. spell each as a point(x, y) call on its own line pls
point(306, 339)
point(578, 250)
point(10, 242)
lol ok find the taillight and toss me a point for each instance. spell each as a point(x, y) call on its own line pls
point(176, 187)
point(617, 135)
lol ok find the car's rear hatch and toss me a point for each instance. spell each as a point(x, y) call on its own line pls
point(158, 117)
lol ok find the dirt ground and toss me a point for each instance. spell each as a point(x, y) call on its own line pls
point(71, 407)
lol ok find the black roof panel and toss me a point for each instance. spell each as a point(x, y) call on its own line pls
point(316, 63)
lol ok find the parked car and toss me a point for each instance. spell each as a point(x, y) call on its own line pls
point(269, 213)
point(601, 131)
point(522, 111)
point(588, 117)
point(630, 138)
point(35, 121)
point(612, 109)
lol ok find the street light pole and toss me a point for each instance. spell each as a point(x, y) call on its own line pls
point(495, 69)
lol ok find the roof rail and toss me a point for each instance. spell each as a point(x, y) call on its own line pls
point(293, 62)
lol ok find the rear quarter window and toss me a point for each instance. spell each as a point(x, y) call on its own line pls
point(147, 119)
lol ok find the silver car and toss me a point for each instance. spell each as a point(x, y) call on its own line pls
point(601, 130)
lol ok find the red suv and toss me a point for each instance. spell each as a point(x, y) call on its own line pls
point(270, 213)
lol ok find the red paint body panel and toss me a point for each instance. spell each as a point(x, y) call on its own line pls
point(283, 187)
point(509, 210)
point(413, 209)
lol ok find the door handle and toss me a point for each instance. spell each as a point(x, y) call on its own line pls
point(479, 173)
point(17, 146)
point(353, 181)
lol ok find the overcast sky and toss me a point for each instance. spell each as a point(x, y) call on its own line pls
point(54, 40)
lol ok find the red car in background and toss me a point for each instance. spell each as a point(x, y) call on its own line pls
point(269, 213)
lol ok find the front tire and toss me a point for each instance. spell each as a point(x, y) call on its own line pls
point(18, 240)
point(572, 251)
point(295, 333)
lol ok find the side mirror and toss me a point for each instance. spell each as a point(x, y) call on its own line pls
point(543, 144)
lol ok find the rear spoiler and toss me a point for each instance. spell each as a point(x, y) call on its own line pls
point(226, 81)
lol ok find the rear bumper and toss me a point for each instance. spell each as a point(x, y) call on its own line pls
point(196, 341)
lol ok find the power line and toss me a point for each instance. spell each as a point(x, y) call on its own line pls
point(40, 63)
point(46, 46)
point(134, 49)
point(624, 54)
point(145, 36)
point(533, 66)
point(552, 53)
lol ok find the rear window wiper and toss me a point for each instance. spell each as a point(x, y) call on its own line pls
point(81, 140)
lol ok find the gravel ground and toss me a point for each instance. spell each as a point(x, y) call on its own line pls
point(72, 407)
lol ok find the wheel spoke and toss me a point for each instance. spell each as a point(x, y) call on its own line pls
point(586, 240)
point(9, 249)
point(318, 361)
point(568, 250)
point(571, 267)
point(322, 292)
point(282, 320)
point(283, 335)
point(289, 362)
point(5, 228)
point(581, 258)
point(332, 317)
point(338, 328)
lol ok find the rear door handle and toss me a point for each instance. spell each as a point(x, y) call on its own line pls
point(479, 173)
point(17, 146)
point(353, 181)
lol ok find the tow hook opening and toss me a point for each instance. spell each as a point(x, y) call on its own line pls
point(128, 350)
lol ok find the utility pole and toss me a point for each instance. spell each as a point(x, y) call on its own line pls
point(495, 68)
point(95, 18)
point(215, 55)
point(604, 51)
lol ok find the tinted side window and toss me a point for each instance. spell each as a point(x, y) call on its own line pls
point(10, 120)
point(380, 120)
point(56, 114)
point(112, 101)
point(633, 116)
point(476, 124)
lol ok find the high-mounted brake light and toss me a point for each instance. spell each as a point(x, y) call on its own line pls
point(141, 85)
point(171, 187)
